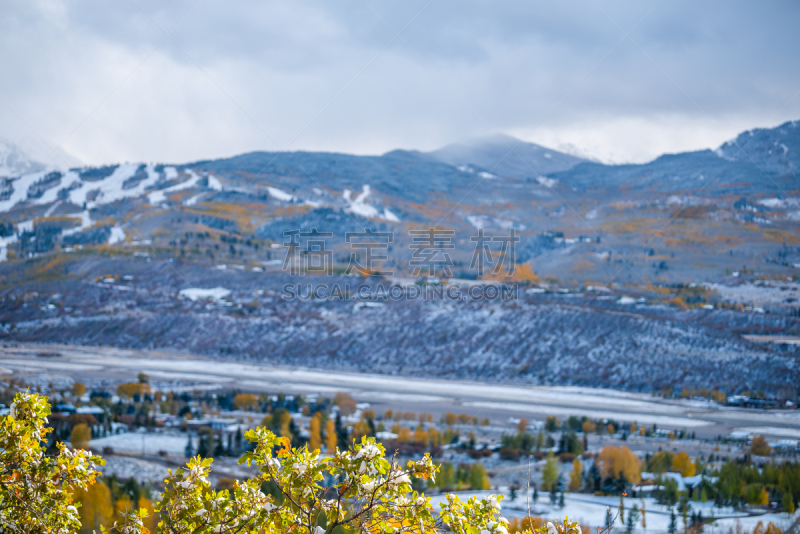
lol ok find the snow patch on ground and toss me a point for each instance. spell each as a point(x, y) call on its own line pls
point(196, 293)
point(639, 417)
point(214, 183)
point(117, 235)
point(110, 188)
point(278, 194)
point(170, 173)
point(192, 201)
point(86, 222)
point(547, 182)
point(771, 431)
point(134, 442)
point(766, 293)
point(478, 221)
point(20, 191)
point(685, 200)
point(779, 202)
point(51, 195)
point(482, 221)
point(25, 226)
point(358, 206)
point(389, 216)
point(157, 197)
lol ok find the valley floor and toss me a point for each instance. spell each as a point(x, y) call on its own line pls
point(496, 400)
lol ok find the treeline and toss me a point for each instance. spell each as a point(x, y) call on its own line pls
point(743, 482)
point(461, 477)
point(734, 483)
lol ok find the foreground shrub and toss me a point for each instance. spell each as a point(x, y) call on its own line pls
point(359, 490)
point(36, 491)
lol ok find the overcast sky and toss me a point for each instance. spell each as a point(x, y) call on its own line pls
point(177, 81)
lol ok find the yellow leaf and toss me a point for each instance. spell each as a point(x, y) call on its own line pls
point(287, 446)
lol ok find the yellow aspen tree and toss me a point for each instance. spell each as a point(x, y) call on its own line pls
point(330, 436)
point(683, 464)
point(81, 436)
point(616, 461)
point(315, 441)
point(96, 509)
point(576, 478)
point(151, 521)
point(122, 507)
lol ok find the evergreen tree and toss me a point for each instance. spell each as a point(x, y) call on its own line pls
point(622, 482)
point(341, 431)
point(595, 477)
point(788, 503)
point(633, 517)
point(205, 447)
point(685, 509)
point(561, 500)
point(189, 450)
point(535, 495)
point(673, 522)
point(512, 493)
point(560, 486)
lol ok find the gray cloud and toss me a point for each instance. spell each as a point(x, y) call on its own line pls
point(334, 76)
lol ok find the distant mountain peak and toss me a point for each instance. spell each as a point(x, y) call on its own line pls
point(16, 161)
point(504, 155)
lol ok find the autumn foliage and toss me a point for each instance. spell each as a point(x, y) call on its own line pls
point(619, 461)
point(360, 490)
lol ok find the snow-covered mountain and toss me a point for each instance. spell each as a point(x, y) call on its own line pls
point(16, 161)
point(504, 155)
point(773, 149)
point(495, 156)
